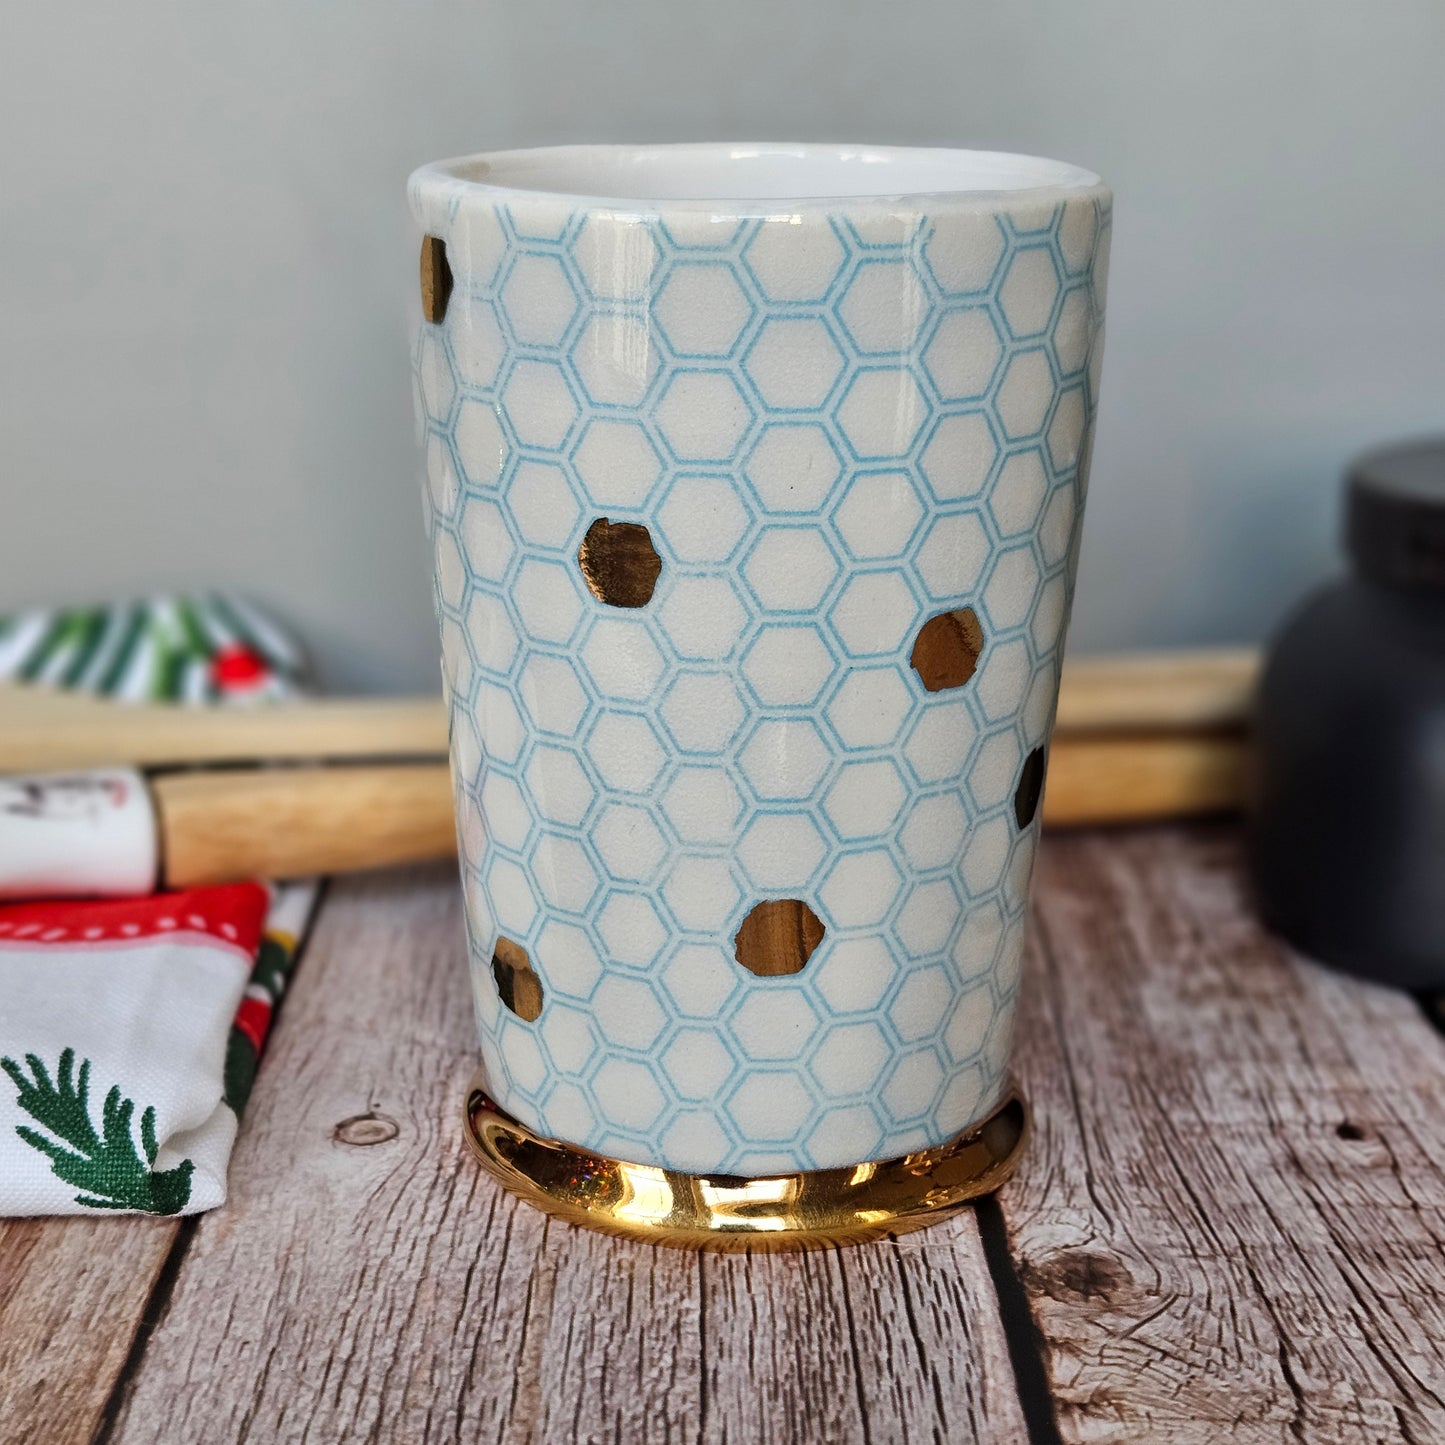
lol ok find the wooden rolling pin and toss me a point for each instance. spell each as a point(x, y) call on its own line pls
point(289, 822)
point(1093, 780)
point(1137, 738)
point(294, 822)
point(111, 832)
point(42, 730)
point(1158, 692)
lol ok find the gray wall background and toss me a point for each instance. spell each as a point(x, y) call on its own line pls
point(206, 266)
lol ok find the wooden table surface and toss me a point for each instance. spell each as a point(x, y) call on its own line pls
point(1228, 1226)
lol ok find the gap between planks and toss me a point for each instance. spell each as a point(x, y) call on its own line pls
point(1231, 1223)
point(72, 1296)
point(393, 1292)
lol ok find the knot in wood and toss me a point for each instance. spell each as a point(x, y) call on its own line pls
point(1078, 1274)
point(363, 1130)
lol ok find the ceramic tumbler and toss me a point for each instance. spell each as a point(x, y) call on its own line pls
point(755, 476)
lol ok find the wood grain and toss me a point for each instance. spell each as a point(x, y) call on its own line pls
point(392, 1292)
point(48, 731)
point(895, 1341)
point(1095, 780)
point(1231, 1223)
point(43, 729)
point(1193, 690)
point(72, 1296)
point(293, 822)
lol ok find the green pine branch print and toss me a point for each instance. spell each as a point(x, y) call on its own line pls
point(106, 1167)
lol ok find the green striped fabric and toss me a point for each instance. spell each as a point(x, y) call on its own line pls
point(180, 649)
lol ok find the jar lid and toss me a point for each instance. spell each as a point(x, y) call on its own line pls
point(1396, 520)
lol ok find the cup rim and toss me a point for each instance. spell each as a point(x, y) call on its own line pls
point(784, 175)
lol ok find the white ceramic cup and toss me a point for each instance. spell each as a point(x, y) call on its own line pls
point(842, 399)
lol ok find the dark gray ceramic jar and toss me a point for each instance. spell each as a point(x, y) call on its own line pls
point(1348, 824)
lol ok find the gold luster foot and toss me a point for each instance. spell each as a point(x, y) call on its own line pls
point(811, 1210)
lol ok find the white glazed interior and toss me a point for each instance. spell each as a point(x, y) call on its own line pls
point(736, 175)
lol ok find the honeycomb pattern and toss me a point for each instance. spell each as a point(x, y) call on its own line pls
point(834, 425)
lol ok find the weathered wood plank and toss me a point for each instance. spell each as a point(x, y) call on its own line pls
point(72, 1296)
point(897, 1341)
point(1231, 1220)
point(390, 1291)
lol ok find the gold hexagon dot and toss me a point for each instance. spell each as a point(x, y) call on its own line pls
point(436, 278)
point(517, 983)
point(619, 563)
point(778, 937)
point(1031, 786)
point(946, 651)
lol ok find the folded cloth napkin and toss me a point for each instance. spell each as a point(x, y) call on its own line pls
point(129, 1032)
point(130, 1029)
